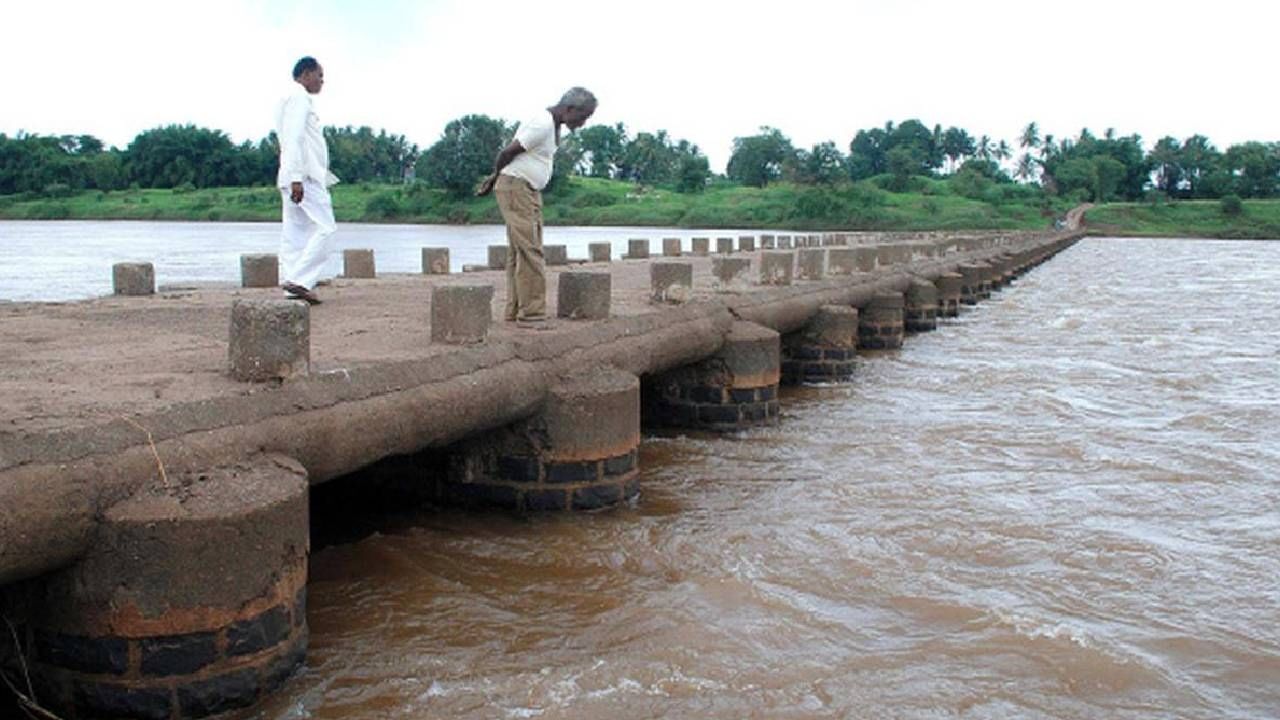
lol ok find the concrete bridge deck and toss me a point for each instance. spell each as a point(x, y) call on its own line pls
point(153, 509)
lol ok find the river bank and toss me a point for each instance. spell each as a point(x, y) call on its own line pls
point(580, 201)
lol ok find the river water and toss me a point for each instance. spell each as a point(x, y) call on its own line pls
point(1063, 505)
point(41, 260)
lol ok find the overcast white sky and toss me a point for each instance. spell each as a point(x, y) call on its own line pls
point(704, 70)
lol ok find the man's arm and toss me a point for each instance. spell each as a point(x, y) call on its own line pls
point(505, 157)
point(293, 125)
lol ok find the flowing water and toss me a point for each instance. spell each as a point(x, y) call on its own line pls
point(1063, 505)
point(41, 260)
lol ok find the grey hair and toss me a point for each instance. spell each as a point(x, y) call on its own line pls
point(578, 97)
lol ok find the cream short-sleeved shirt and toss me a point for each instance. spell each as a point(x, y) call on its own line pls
point(538, 138)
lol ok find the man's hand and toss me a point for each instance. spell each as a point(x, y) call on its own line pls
point(295, 192)
point(486, 185)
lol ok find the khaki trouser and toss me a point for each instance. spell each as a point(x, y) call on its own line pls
point(521, 208)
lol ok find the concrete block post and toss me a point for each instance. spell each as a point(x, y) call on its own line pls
point(498, 257)
point(920, 313)
point(584, 295)
point(825, 350)
point(460, 314)
point(811, 264)
point(767, 242)
point(731, 274)
point(880, 325)
point(970, 283)
point(949, 285)
point(600, 251)
point(734, 389)
point(986, 274)
point(746, 243)
point(358, 263)
point(555, 255)
point(133, 278)
point(579, 452)
point(784, 242)
point(261, 270)
point(777, 267)
point(671, 247)
point(269, 339)
point(842, 261)
point(670, 282)
point(724, 246)
point(435, 260)
point(637, 249)
point(701, 246)
point(191, 602)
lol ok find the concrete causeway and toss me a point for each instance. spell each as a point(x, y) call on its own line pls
point(153, 538)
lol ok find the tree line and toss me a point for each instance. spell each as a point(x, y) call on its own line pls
point(1087, 167)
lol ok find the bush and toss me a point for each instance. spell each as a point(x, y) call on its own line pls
point(382, 206)
point(1231, 205)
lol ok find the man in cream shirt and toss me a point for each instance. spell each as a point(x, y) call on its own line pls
point(304, 180)
point(521, 171)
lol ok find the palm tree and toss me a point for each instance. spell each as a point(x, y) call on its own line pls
point(1003, 151)
point(1030, 138)
point(1026, 169)
point(983, 149)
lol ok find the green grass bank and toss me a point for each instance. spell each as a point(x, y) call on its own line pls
point(926, 205)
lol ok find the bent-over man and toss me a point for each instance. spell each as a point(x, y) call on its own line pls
point(520, 172)
point(304, 181)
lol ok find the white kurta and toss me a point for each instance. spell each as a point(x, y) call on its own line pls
point(304, 157)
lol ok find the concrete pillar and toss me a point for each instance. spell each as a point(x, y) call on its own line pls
point(670, 282)
point(133, 278)
point(190, 602)
point(600, 251)
point(269, 339)
point(701, 246)
point(767, 242)
point(777, 267)
point(841, 261)
point(435, 260)
point(671, 247)
point(580, 452)
point(920, 313)
point(584, 295)
point(555, 254)
point(730, 273)
point(825, 350)
point(261, 270)
point(637, 249)
point(724, 246)
point(970, 284)
point(784, 242)
point(985, 275)
point(880, 324)
point(498, 257)
point(746, 243)
point(735, 388)
point(460, 314)
point(811, 264)
point(949, 285)
point(358, 263)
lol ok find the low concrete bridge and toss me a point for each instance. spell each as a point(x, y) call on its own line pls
point(156, 449)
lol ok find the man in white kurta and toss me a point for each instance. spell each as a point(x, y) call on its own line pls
point(304, 181)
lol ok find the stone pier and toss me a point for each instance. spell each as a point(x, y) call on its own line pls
point(949, 290)
point(880, 322)
point(920, 313)
point(825, 350)
point(579, 452)
point(734, 389)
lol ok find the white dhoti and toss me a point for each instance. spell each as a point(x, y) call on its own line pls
point(305, 239)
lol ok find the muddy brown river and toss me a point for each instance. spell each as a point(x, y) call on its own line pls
point(1065, 504)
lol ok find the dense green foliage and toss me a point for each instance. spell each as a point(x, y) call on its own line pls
point(47, 176)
